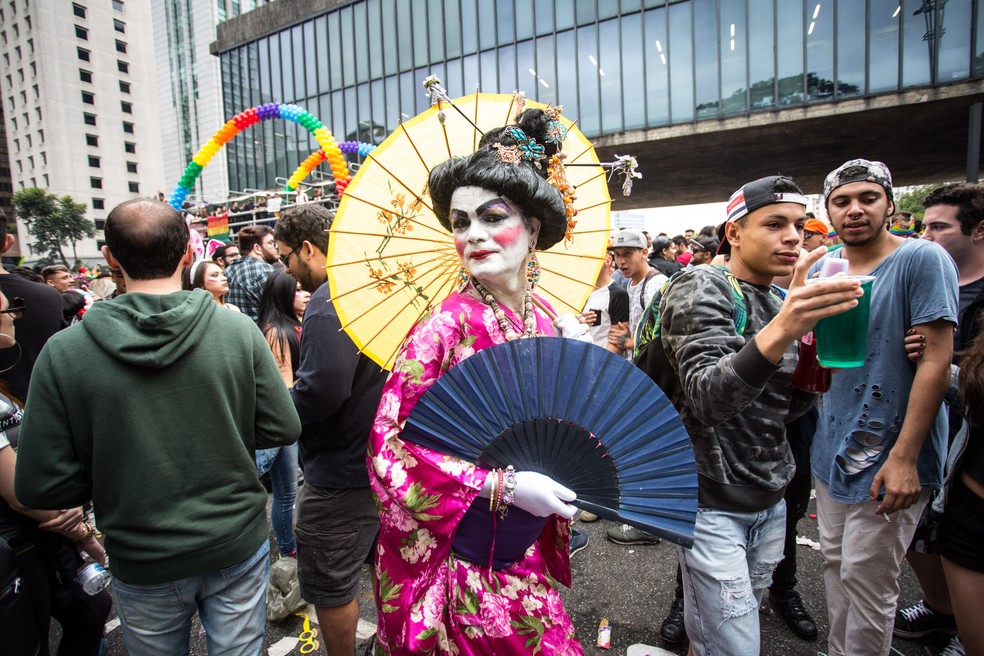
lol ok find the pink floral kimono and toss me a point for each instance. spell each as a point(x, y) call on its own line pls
point(430, 601)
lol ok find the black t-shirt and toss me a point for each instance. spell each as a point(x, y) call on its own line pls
point(43, 317)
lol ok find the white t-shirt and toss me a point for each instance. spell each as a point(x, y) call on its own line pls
point(636, 306)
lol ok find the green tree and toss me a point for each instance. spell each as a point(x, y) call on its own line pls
point(54, 222)
point(911, 201)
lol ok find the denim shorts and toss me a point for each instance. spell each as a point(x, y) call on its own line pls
point(336, 533)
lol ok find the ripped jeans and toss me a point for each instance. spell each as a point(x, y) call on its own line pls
point(725, 575)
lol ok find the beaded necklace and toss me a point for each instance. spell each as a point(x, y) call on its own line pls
point(529, 318)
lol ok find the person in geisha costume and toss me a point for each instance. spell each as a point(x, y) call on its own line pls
point(443, 519)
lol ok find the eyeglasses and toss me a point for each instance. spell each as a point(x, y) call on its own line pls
point(15, 308)
point(807, 234)
point(286, 258)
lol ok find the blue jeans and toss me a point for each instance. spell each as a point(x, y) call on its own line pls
point(231, 602)
point(281, 462)
point(725, 575)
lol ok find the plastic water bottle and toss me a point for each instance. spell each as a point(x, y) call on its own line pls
point(93, 577)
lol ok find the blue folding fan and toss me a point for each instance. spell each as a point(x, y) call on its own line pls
point(577, 413)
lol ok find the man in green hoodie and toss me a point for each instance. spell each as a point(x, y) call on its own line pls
point(168, 462)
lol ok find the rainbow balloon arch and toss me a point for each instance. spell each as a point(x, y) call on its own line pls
point(330, 151)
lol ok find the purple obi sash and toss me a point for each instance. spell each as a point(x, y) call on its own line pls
point(513, 535)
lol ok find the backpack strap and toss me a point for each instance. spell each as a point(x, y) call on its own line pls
point(642, 293)
point(739, 313)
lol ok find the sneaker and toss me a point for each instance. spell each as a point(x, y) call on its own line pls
point(790, 607)
point(673, 631)
point(586, 516)
point(626, 534)
point(954, 648)
point(579, 540)
point(920, 620)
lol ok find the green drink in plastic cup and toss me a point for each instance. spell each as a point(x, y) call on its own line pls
point(842, 340)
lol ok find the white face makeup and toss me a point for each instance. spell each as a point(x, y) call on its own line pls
point(490, 235)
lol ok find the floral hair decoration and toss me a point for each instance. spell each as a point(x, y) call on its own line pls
point(529, 149)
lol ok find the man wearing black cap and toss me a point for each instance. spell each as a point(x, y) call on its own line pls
point(663, 256)
point(735, 396)
point(703, 249)
point(881, 439)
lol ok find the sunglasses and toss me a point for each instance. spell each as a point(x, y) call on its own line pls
point(807, 234)
point(15, 308)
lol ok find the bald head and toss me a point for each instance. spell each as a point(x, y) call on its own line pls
point(147, 237)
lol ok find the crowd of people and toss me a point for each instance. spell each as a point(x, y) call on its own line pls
point(236, 367)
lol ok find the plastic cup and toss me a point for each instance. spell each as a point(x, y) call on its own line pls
point(842, 340)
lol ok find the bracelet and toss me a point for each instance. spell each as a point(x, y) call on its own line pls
point(509, 491)
point(492, 492)
point(87, 532)
point(498, 490)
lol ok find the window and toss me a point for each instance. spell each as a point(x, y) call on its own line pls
point(122, 66)
point(99, 204)
point(120, 46)
point(96, 183)
point(44, 158)
point(41, 137)
point(119, 26)
point(88, 98)
point(46, 183)
point(20, 75)
point(13, 120)
point(128, 127)
point(37, 92)
point(81, 33)
point(91, 140)
point(93, 162)
point(83, 54)
point(127, 107)
point(100, 223)
point(130, 147)
point(118, 6)
point(30, 46)
point(78, 10)
point(134, 187)
point(124, 87)
point(37, 111)
point(131, 167)
point(85, 76)
point(89, 119)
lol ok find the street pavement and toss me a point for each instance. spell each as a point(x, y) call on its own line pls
point(632, 588)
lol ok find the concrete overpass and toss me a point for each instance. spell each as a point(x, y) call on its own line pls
point(923, 135)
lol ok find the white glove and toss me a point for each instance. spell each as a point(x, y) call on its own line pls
point(571, 328)
point(543, 496)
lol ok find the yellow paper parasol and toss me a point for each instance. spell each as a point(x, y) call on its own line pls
point(390, 261)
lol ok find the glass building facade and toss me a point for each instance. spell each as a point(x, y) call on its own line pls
point(615, 65)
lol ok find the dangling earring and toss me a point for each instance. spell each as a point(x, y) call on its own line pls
point(461, 280)
point(533, 270)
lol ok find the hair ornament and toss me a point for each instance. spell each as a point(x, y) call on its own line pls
point(437, 95)
point(529, 149)
point(556, 131)
point(519, 99)
point(626, 166)
point(508, 154)
point(557, 176)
